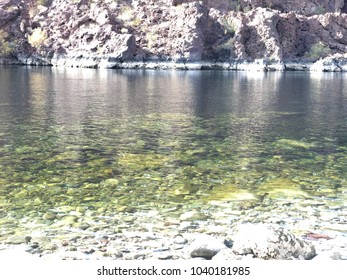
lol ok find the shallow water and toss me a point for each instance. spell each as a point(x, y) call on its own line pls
point(130, 141)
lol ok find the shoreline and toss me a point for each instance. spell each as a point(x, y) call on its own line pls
point(70, 233)
point(327, 64)
point(136, 245)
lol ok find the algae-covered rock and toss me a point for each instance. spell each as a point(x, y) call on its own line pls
point(110, 182)
point(16, 239)
point(142, 161)
point(228, 193)
point(296, 144)
point(66, 221)
point(281, 188)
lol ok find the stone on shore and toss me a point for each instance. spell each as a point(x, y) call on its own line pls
point(267, 241)
point(206, 246)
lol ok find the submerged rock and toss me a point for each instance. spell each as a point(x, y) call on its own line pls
point(281, 188)
point(266, 241)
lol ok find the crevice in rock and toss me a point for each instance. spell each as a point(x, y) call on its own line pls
point(344, 8)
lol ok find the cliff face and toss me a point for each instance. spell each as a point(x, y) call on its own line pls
point(104, 33)
point(307, 7)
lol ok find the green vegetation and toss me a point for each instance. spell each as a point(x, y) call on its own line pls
point(320, 10)
point(317, 51)
point(152, 39)
point(127, 14)
point(229, 29)
point(136, 22)
point(6, 47)
point(37, 38)
point(42, 2)
point(229, 25)
point(236, 6)
point(227, 45)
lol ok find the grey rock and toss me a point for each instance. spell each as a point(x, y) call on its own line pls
point(206, 246)
point(17, 239)
point(179, 240)
point(266, 241)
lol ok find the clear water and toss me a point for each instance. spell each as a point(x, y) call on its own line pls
point(133, 140)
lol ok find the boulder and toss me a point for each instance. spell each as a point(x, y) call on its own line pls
point(267, 241)
point(206, 246)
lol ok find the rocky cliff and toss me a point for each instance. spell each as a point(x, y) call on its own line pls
point(244, 34)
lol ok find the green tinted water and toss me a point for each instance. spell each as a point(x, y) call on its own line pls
point(137, 140)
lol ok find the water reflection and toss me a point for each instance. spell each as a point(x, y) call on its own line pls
point(170, 133)
point(75, 96)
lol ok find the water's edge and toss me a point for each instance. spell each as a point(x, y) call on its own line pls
point(329, 64)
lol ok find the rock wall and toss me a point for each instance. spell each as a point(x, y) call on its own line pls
point(309, 7)
point(108, 33)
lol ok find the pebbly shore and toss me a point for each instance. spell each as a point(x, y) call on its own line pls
point(282, 230)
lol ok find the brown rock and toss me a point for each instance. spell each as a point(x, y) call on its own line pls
point(299, 34)
point(269, 31)
point(257, 36)
point(186, 31)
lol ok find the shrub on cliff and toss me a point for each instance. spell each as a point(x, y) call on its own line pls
point(43, 2)
point(6, 47)
point(37, 38)
point(317, 51)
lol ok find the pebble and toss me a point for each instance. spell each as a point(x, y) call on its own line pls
point(81, 233)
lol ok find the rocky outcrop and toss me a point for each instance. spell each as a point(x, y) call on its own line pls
point(300, 36)
point(247, 35)
point(256, 36)
point(9, 11)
